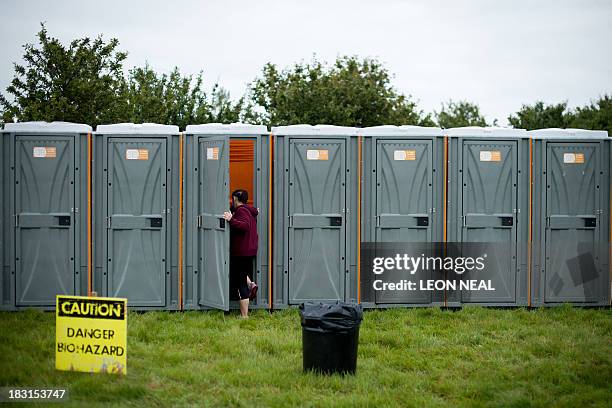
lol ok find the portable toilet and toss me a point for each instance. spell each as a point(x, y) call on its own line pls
point(219, 159)
point(44, 195)
point(136, 215)
point(315, 214)
point(487, 213)
point(571, 217)
point(402, 201)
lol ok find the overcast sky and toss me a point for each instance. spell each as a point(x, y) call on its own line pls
point(499, 54)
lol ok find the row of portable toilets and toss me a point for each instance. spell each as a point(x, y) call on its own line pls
point(135, 211)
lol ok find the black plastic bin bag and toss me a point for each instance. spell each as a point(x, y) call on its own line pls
point(330, 335)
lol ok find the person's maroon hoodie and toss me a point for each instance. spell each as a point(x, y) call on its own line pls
point(243, 231)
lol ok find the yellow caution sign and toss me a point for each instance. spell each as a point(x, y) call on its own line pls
point(91, 334)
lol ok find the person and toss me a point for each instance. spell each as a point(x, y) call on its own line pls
point(243, 248)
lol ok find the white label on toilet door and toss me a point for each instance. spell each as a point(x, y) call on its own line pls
point(317, 154)
point(404, 155)
point(312, 154)
point(573, 158)
point(44, 152)
point(131, 154)
point(137, 154)
point(490, 155)
point(212, 153)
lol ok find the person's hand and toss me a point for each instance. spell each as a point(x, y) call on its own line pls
point(227, 215)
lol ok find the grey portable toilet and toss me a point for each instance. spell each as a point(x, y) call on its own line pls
point(136, 215)
point(220, 158)
point(315, 214)
point(43, 243)
point(571, 217)
point(488, 208)
point(402, 202)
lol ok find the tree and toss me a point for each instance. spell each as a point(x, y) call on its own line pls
point(351, 92)
point(541, 116)
point(594, 116)
point(223, 110)
point(84, 82)
point(176, 99)
point(458, 114)
point(80, 82)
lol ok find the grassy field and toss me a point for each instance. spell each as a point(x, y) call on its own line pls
point(410, 357)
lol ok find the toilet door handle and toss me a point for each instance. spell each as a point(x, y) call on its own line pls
point(335, 221)
point(422, 221)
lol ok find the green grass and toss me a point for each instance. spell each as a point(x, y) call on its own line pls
point(407, 357)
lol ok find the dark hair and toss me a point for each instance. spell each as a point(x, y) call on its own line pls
point(241, 195)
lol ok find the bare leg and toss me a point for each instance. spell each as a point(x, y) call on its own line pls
point(244, 308)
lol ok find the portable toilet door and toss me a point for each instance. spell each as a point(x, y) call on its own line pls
point(137, 217)
point(208, 165)
point(315, 198)
point(47, 244)
point(571, 217)
point(402, 196)
point(488, 170)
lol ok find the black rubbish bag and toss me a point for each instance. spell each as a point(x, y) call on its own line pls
point(330, 334)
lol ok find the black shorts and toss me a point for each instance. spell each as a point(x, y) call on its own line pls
point(240, 268)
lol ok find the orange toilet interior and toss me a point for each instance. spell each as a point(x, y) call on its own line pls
point(241, 167)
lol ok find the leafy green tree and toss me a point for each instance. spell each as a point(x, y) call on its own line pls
point(351, 92)
point(224, 110)
point(84, 82)
point(594, 116)
point(458, 114)
point(176, 99)
point(540, 116)
point(80, 82)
